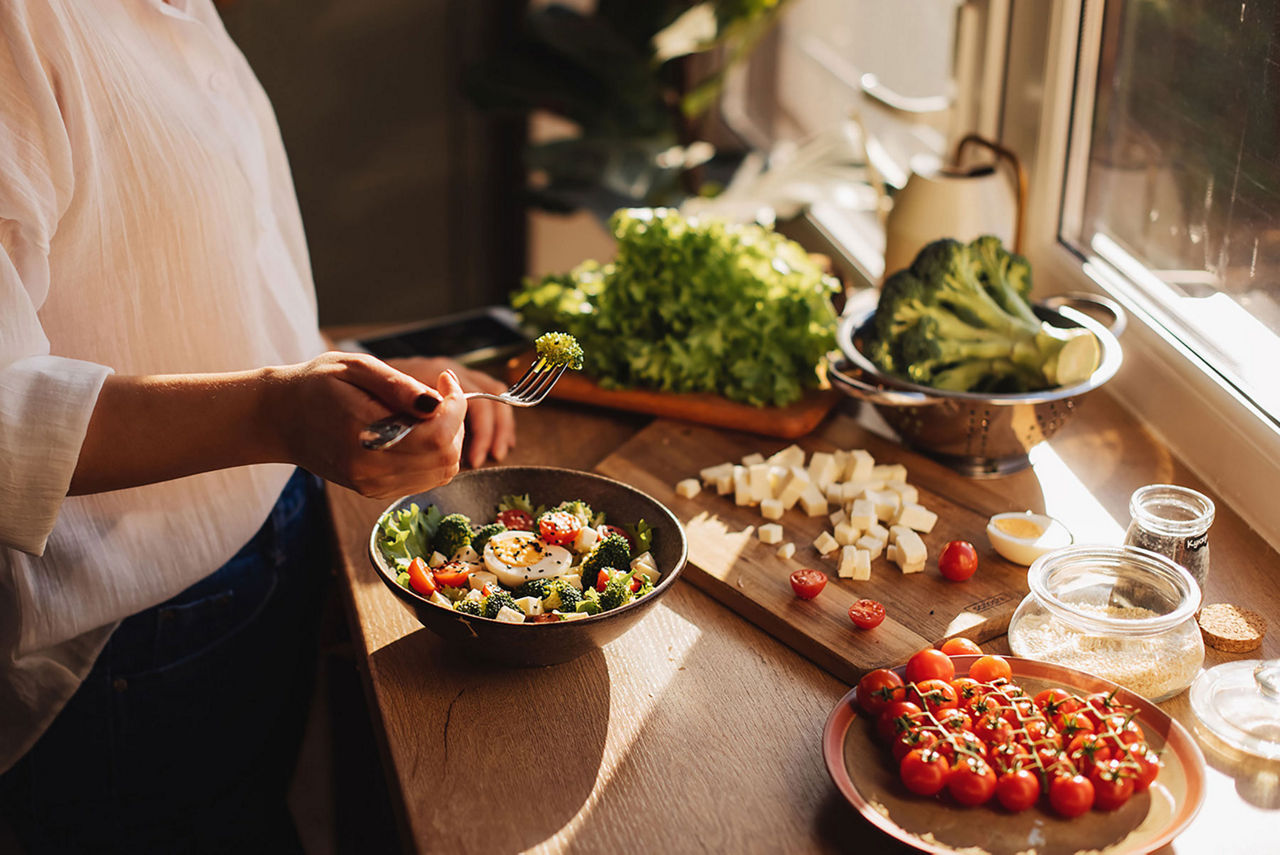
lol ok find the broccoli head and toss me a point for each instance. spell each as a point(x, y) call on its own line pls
point(958, 319)
point(453, 533)
point(563, 597)
point(579, 509)
point(611, 552)
point(496, 600)
point(558, 348)
point(482, 535)
point(617, 592)
point(469, 607)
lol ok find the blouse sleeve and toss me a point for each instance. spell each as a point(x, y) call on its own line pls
point(45, 401)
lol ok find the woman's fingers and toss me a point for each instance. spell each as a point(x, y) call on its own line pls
point(398, 391)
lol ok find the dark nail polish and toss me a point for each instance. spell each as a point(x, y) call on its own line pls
point(425, 403)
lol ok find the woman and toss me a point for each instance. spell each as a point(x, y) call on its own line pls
point(163, 391)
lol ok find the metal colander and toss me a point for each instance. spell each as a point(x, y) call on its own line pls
point(978, 435)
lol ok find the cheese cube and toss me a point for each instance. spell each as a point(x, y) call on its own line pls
point(688, 488)
point(712, 474)
point(574, 616)
point(778, 476)
point(792, 455)
point(786, 550)
point(437, 559)
point(891, 552)
point(770, 533)
point(834, 492)
point(646, 570)
point(574, 579)
point(895, 530)
point(847, 534)
point(854, 564)
point(916, 517)
point(724, 484)
point(822, 469)
point(825, 543)
point(887, 473)
point(874, 546)
point(911, 550)
point(587, 536)
point(752, 459)
point(813, 502)
point(474, 595)
point(862, 513)
point(839, 516)
point(530, 605)
point(771, 509)
point(797, 482)
point(741, 486)
point(467, 555)
point(850, 491)
point(887, 503)
point(758, 482)
point(879, 532)
point(859, 465)
point(441, 600)
point(477, 580)
point(506, 614)
point(906, 492)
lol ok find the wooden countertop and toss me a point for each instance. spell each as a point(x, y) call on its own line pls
point(696, 730)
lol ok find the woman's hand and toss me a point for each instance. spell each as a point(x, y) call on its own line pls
point(491, 427)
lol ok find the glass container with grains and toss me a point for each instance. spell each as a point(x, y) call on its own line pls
point(1120, 612)
point(1173, 521)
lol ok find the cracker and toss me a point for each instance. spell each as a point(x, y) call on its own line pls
point(1231, 629)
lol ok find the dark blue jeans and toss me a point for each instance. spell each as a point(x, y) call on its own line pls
point(184, 735)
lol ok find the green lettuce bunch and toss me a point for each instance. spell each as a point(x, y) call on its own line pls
point(694, 305)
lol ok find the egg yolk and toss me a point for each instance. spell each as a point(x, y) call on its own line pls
point(1020, 527)
point(519, 552)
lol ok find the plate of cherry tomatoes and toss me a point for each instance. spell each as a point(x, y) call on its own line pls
point(1006, 755)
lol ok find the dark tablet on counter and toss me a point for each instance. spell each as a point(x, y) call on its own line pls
point(473, 336)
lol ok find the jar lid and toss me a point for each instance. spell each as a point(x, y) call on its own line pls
point(1239, 703)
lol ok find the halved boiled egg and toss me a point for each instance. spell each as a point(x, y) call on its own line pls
point(1023, 536)
point(515, 557)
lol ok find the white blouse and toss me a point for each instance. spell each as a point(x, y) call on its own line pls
point(148, 224)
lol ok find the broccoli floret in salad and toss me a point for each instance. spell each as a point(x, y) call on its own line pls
point(609, 552)
point(590, 603)
point(469, 607)
point(555, 594)
point(496, 600)
point(557, 348)
point(581, 510)
point(482, 535)
point(617, 592)
point(453, 533)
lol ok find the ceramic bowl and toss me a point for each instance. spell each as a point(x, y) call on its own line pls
point(476, 494)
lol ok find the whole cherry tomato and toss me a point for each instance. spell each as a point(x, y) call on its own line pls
point(808, 583)
point(910, 740)
point(958, 560)
point(515, 519)
point(1148, 763)
point(1070, 725)
point(895, 718)
point(929, 664)
point(967, 688)
point(1017, 790)
point(1006, 756)
point(960, 646)
point(962, 744)
point(991, 668)
point(1054, 701)
point(1112, 785)
point(1121, 728)
point(866, 614)
point(953, 719)
point(924, 772)
point(559, 527)
point(1087, 750)
point(879, 688)
point(1070, 795)
point(971, 781)
point(992, 729)
point(420, 578)
point(606, 530)
point(932, 695)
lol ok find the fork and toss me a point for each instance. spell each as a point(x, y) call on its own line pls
point(529, 390)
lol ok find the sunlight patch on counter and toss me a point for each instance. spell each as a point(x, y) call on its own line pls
point(1071, 502)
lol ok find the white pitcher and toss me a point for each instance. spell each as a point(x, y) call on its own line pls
point(955, 202)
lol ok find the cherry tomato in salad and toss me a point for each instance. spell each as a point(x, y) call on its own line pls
point(603, 577)
point(606, 530)
point(515, 519)
point(808, 583)
point(1112, 785)
point(1017, 790)
point(958, 560)
point(929, 664)
point(866, 614)
point(991, 668)
point(454, 574)
point(971, 781)
point(960, 646)
point(924, 772)
point(1070, 795)
point(420, 578)
point(559, 527)
point(879, 688)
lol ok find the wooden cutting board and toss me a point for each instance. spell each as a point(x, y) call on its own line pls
point(729, 562)
point(788, 422)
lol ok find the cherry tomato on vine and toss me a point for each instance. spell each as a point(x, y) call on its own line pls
point(559, 527)
point(895, 718)
point(879, 688)
point(808, 583)
point(1148, 763)
point(929, 664)
point(515, 519)
point(910, 740)
point(1017, 789)
point(1070, 795)
point(958, 560)
point(933, 695)
point(960, 646)
point(1112, 785)
point(1055, 701)
point(924, 772)
point(866, 614)
point(988, 669)
point(971, 781)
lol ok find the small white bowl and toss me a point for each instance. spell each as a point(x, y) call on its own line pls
point(1023, 536)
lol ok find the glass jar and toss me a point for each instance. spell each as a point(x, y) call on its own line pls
point(1122, 613)
point(1173, 521)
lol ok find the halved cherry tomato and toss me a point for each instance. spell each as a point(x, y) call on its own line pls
point(1070, 795)
point(924, 772)
point(602, 580)
point(420, 578)
point(958, 560)
point(454, 574)
point(929, 664)
point(895, 718)
point(971, 781)
point(808, 583)
point(866, 614)
point(932, 695)
point(879, 688)
point(960, 646)
point(515, 519)
point(991, 668)
point(1112, 785)
point(1017, 789)
point(559, 527)
point(606, 530)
